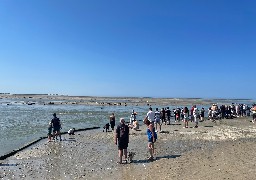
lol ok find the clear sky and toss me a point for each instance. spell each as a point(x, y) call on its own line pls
point(167, 48)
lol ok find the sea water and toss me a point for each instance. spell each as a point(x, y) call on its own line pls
point(21, 123)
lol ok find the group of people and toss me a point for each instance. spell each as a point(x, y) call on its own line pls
point(154, 120)
point(54, 128)
point(158, 118)
point(122, 137)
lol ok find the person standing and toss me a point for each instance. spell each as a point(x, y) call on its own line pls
point(151, 116)
point(133, 116)
point(151, 139)
point(195, 114)
point(186, 116)
point(163, 116)
point(168, 114)
point(253, 110)
point(122, 140)
point(112, 121)
point(49, 132)
point(56, 126)
point(157, 119)
point(202, 114)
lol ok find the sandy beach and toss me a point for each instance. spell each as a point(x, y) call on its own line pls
point(216, 150)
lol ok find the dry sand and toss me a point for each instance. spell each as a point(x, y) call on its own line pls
point(222, 150)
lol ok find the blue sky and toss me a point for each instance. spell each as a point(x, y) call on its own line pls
point(167, 48)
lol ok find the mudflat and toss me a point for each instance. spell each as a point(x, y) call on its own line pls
point(215, 150)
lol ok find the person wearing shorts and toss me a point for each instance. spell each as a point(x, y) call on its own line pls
point(56, 126)
point(186, 116)
point(122, 140)
point(151, 139)
point(157, 119)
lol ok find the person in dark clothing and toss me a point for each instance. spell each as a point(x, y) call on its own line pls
point(106, 127)
point(112, 121)
point(168, 114)
point(223, 111)
point(122, 140)
point(56, 126)
point(162, 115)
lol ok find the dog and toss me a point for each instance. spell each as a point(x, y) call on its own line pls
point(71, 131)
point(106, 127)
point(130, 156)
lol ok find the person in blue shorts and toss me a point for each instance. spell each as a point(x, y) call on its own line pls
point(152, 136)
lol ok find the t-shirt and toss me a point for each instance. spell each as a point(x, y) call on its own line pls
point(151, 116)
point(55, 122)
point(195, 112)
point(122, 131)
point(168, 112)
point(157, 115)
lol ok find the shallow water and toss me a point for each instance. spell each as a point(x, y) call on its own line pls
point(21, 123)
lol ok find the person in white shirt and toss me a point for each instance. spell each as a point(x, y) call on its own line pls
point(157, 119)
point(151, 116)
point(195, 114)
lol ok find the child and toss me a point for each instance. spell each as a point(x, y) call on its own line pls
point(49, 132)
point(106, 127)
point(135, 125)
point(71, 131)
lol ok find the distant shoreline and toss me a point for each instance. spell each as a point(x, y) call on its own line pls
point(127, 97)
point(54, 99)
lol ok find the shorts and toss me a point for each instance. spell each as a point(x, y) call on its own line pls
point(112, 125)
point(56, 128)
point(150, 140)
point(122, 145)
point(157, 121)
point(49, 131)
point(186, 118)
point(195, 119)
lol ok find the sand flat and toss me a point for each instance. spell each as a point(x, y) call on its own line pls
point(222, 150)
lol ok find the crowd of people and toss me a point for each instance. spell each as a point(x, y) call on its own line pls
point(154, 120)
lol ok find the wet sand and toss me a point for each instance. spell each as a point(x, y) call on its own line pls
point(221, 150)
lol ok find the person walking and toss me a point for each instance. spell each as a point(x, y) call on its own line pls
point(122, 140)
point(56, 127)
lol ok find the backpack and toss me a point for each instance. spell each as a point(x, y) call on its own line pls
point(123, 131)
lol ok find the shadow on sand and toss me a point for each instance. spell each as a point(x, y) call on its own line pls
point(167, 157)
point(144, 161)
